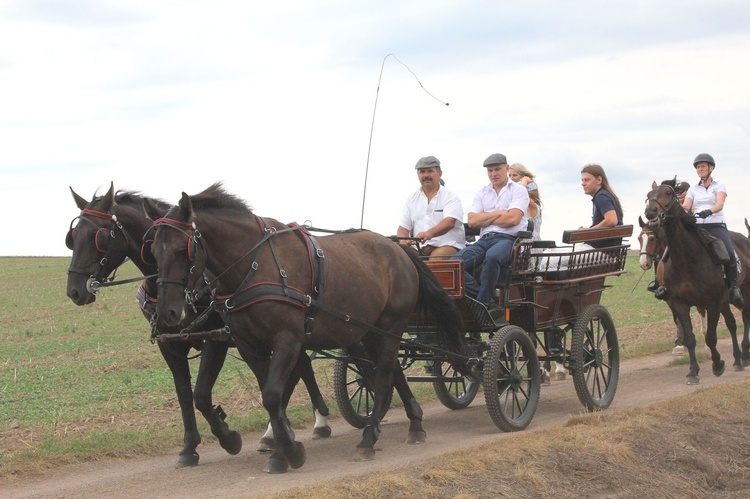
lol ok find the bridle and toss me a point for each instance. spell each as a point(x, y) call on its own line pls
point(663, 212)
point(104, 241)
point(194, 241)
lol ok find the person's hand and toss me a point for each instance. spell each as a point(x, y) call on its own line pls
point(525, 181)
point(705, 213)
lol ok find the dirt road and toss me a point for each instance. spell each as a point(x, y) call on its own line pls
point(643, 381)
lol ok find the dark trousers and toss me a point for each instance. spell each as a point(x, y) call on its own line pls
point(493, 252)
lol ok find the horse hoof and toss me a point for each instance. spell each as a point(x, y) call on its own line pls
point(298, 457)
point(693, 380)
point(266, 445)
point(276, 466)
point(746, 361)
point(187, 460)
point(416, 437)
point(739, 367)
point(364, 454)
point(718, 368)
point(231, 442)
point(321, 432)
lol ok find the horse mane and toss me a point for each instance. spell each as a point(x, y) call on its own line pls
point(217, 198)
point(134, 199)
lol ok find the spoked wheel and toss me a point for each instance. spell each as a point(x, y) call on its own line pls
point(595, 358)
point(511, 379)
point(454, 391)
point(353, 394)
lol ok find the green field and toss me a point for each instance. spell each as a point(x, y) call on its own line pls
point(86, 381)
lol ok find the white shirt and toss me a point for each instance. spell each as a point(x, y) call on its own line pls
point(704, 198)
point(419, 215)
point(511, 196)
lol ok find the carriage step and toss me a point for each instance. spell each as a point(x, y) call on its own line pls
point(482, 315)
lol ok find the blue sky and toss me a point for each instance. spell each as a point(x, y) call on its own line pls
point(277, 101)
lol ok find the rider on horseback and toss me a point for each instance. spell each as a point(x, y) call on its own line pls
point(706, 199)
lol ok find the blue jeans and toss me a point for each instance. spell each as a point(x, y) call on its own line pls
point(493, 252)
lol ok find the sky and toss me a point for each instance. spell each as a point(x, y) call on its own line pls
point(281, 102)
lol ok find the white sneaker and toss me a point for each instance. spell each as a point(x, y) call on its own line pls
point(678, 350)
point(545, 378)
point(559, 375)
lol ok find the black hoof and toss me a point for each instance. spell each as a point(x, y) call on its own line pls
point(276, 465)
point(693, 380)
point(188, 460)
point(364, 454)
point(739, 367)
point(231, 442)
point(298, 457)
point(416, 437)
point(321, 432)
point(718, 368)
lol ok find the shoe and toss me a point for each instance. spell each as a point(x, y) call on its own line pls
point(545, 378)
point(735, 297)
point(652, 286)
point(559, 375)
point(678, 350)
point(661, 293)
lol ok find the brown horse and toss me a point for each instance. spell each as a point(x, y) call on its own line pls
point(110, 230)
point(694, 279)
point(282, 291)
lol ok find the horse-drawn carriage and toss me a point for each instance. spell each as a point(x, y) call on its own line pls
point(281, 291)
point(553, 313)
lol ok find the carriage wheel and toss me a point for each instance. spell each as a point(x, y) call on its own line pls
point(354, 396)
point(595, 358)
point(511, 379)
point(454, 392)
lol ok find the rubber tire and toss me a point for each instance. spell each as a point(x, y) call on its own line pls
point(511, 377)
point(453, 394)
point(594, 345)
point(354, 398)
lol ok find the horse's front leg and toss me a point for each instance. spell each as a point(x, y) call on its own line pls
point(712, 317)
point(681, 312)
point(731, 324)
point(175, 355)
point(287, 452)
point(213, 355)
point(746, 337)
point(320, 409)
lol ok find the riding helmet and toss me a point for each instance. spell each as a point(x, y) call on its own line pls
point(704, 158)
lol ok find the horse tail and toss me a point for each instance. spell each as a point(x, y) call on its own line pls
point(450, 326)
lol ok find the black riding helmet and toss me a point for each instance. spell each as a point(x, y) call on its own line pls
point(704, 158)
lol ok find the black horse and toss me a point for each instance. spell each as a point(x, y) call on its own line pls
point(282, 291)
point(694, 279)
point(109, 230)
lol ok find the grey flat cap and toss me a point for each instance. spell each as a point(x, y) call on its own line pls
point(427, 162)
point(496, 159)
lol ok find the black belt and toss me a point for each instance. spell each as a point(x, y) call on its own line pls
point(497, 234)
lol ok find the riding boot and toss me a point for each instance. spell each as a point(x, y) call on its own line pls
point(652, 286)
point(661, 293)
point(735, 295)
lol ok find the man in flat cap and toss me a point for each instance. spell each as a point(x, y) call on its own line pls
point(499, 210)
point(433, 214)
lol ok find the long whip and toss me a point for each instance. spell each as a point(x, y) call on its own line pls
point(372, 126)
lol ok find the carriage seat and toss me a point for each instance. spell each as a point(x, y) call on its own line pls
point(565, 262)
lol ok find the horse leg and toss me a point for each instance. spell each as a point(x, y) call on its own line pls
point(175, 355)
point(731, 324)
point(212, 360)
point(416, 434)
point(682, 313)
point(717, 364)
point(320, 409)
point(287, 452)
point(385, 366)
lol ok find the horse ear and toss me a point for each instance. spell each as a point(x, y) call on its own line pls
point(186, 207)
point(641, 222)
point(151, 209)
point(653, 185)
point(80, 202)
point(108, 198)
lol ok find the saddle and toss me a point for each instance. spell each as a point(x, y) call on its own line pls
point(716, 248)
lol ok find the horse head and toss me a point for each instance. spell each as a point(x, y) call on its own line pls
point(651, 246)
point(661, 202)
point(98, 243)
point(174, 247)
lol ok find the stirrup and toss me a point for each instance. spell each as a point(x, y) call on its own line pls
point(652, 286)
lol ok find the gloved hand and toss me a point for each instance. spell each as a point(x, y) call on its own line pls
point(705, 213)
